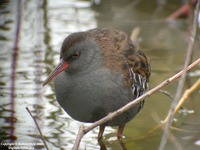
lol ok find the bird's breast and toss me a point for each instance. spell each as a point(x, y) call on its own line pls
point(90, 96)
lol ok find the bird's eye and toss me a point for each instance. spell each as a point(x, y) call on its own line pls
point(75, 55)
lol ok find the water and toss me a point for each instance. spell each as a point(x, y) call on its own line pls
point(44, 25)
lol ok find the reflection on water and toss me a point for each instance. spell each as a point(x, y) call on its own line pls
point(44, 24)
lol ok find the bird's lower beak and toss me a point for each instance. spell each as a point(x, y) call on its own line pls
point(59, 68)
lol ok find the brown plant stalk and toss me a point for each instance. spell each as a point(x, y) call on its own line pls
point(38, 127)
point(182, 79)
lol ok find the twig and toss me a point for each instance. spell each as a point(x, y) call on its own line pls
point(187, 93)
point(38, 128)
point(182, 100)
point(181, 11)
point(166, 93)
point(183, 77)
point(14, 67)
point(83, 131)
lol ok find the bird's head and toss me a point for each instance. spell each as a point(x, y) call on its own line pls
point(77, 54)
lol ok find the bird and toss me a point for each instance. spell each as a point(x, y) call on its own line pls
point(100, 70)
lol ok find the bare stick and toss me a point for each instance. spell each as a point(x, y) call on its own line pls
point(38, 128)
point(166, 93)
point(182, 80)
point(83, 131)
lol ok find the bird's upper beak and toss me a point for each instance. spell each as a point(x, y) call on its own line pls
point(59, 68)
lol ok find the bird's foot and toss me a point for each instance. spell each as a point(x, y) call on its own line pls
point(120, 131)
point(101, 130)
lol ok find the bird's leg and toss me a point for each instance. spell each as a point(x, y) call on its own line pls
point(120, 131)
point(101, 130)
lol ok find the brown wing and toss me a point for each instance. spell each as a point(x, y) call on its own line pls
point(136, 61)
point(111, 42)
point(120, 53)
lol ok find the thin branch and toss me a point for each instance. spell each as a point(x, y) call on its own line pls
point(38, 128)
point(179, 12)
point(83, 131)
point(166, 93)
point(14, 66)
point(183, 77)
point(187, 93)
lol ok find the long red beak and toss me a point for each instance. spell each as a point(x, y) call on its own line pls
point(59, 68)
